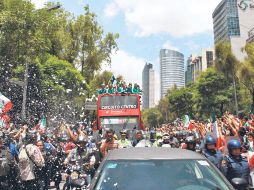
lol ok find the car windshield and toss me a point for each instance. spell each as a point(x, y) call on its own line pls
point(160, 174)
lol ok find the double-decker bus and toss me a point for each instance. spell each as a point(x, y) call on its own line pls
point(119, 111)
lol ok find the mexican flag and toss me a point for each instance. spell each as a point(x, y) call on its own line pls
point(5, 104)
point(43, 123)
point(113, 80)
point(187, 123)
point(214, 126)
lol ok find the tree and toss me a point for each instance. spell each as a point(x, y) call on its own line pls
point(152, 117)
point(99, 79)
point(213, 92)
point(246, 71)
point(94, 46)
point(180, 102)
point(163, 107)
point(227, 64)
point(54, 44)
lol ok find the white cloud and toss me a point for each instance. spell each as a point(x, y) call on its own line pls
point(174, 17)
point(111, 9)
point(129, 66)
point(39, 3)
point(168, 45)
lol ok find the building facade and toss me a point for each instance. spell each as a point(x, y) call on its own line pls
point(232, 20)
point(148, 86)
point(171, 70)
point(196, 64)
point(250, 36)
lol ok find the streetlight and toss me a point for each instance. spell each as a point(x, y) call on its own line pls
point(25, 83)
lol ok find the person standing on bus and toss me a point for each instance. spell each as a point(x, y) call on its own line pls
point(102, 90)
point(129, 88)
point(110, 89)
point(110, 143)
point(124, 88)
point(136, 89)
point(119, 88)
point(124, 142)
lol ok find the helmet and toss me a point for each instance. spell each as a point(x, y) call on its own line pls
point(139, 132)
point(190, 133)
point(210, 140)
point(234, 144)
point(190, 140)
point(123, 132)
point(165, 136)
point(191, 143)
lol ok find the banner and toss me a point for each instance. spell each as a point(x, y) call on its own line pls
point(5, 104)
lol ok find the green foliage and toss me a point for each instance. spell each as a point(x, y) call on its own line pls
point(54, 43)
point(61, 75)
point(152, 117)
point(180, 102)
point(213, 92)
point(225, 62)
point(99, 79)
point(246, 71)
point(163, 107)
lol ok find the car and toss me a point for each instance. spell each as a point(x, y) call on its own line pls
point(152, 168)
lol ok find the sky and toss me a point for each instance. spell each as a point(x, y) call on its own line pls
point(145, 27)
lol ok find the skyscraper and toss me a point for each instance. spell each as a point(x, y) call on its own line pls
point(197, 64)
point(148, 86)
point(232, 20)
point(171, 70)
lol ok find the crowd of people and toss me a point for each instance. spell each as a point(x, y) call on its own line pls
point(32, 157)
point(118, 86)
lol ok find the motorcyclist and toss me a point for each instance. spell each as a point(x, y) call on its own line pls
point(190, 143)
point(165, 140)
point(173, 141)
point(158, 140)
point(234, 165)
point(138, 138)
point(80, 159)
point(124, 142)
point(210, 152)
point(152, 137)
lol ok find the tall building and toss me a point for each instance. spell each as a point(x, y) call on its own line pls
point(171, 70)
point(232, 20)
point(196, 64)
point(148, 86)
point(251, 36)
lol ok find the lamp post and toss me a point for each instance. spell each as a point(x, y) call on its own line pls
point(25, 83)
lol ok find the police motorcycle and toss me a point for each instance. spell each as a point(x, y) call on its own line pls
point(76, 179)
point(80, 171)
point(4, 163)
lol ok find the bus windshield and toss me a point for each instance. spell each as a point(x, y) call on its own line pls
point(118, 102)
point(118, 123)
